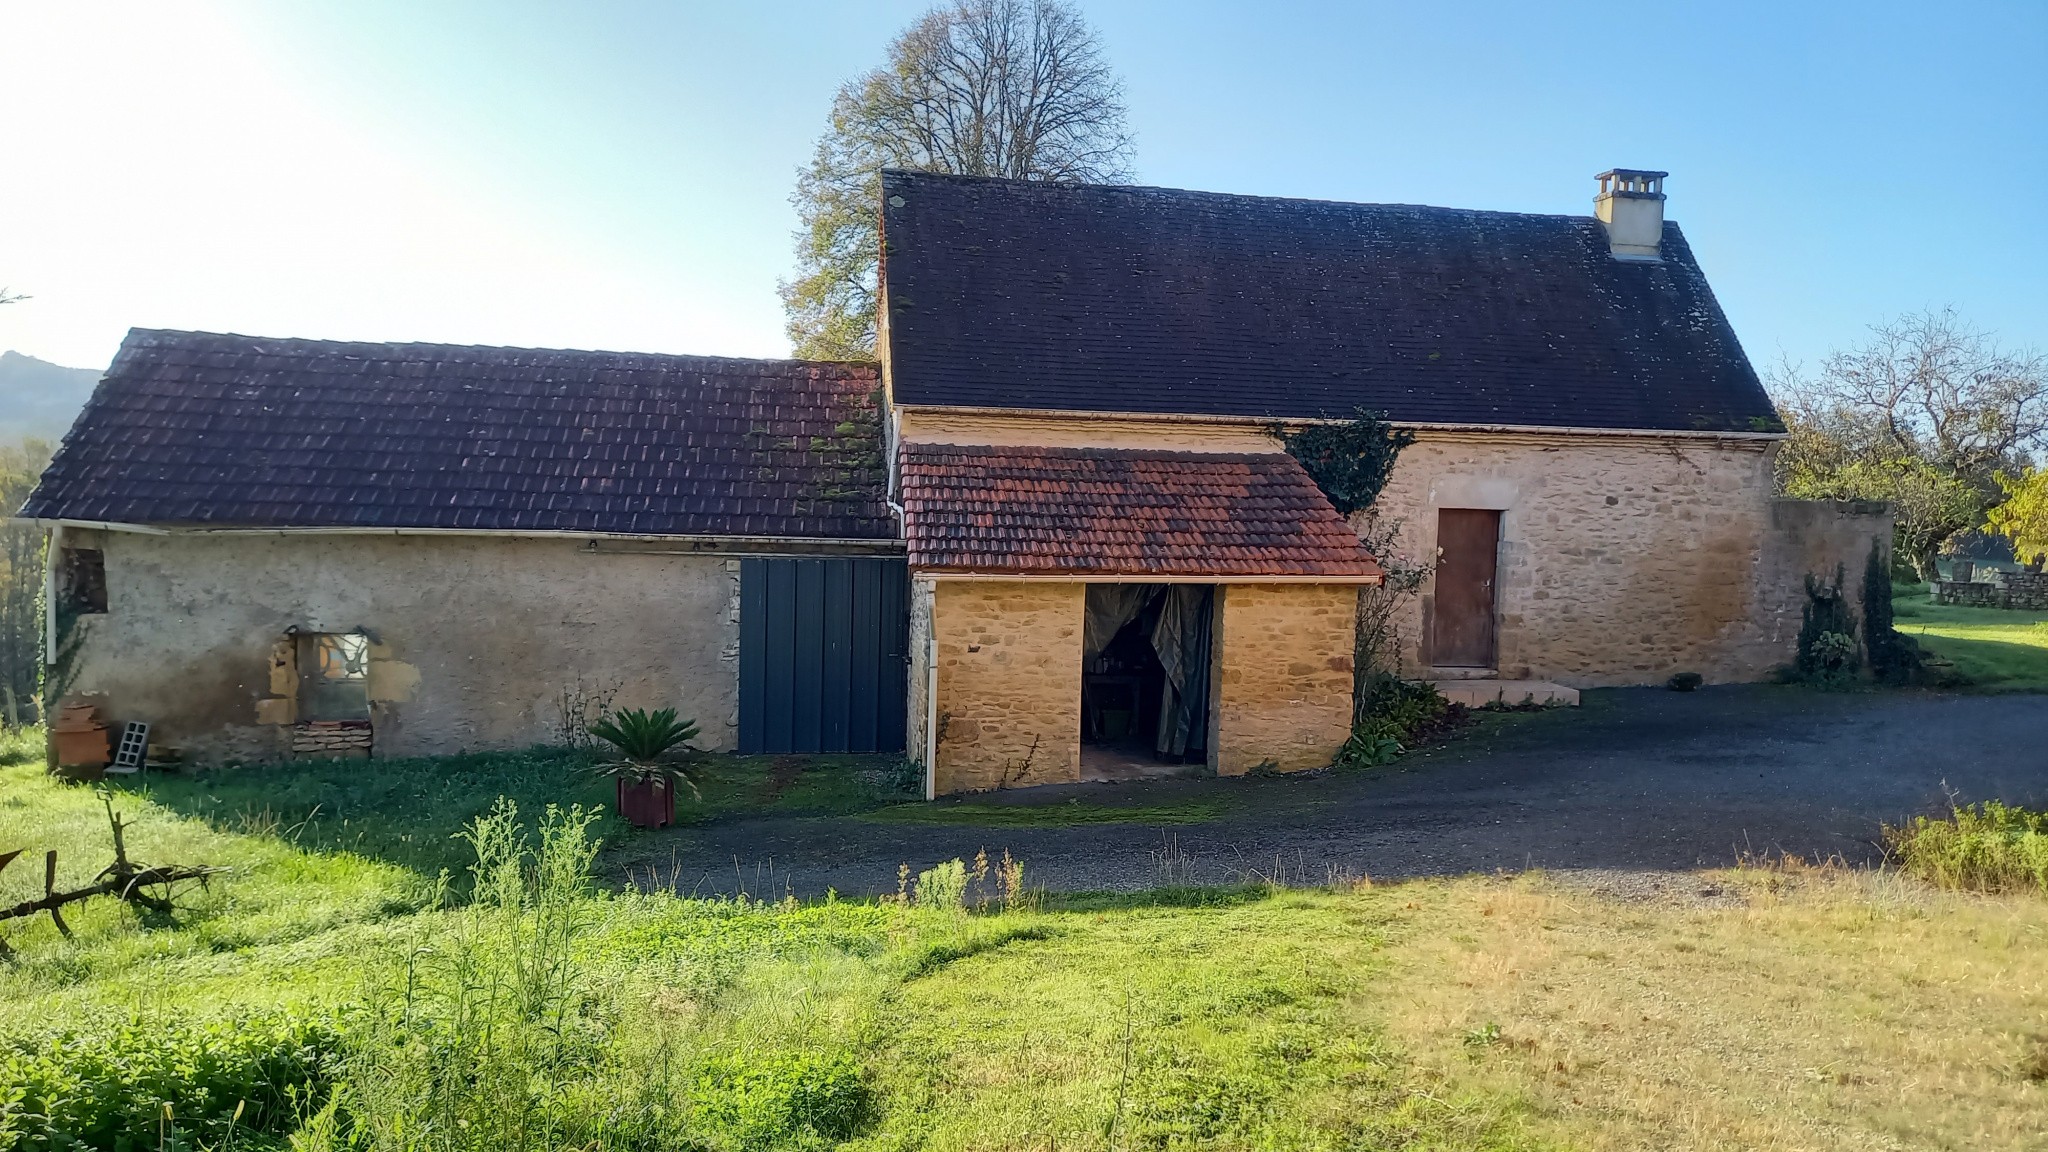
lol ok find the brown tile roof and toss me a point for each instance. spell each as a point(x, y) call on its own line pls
point(1102, 512)
point(192, 428)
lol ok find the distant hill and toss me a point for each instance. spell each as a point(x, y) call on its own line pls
point(38, 398)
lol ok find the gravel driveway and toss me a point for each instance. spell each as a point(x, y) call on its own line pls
point(1635, 779)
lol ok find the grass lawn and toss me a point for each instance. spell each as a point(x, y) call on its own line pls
point(406, 811)
point(1995, 648)
point(1784, 1008)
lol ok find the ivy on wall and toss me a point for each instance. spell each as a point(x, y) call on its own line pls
point(1350, 461)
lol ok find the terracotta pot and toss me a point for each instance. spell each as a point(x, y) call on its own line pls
point(647, 803)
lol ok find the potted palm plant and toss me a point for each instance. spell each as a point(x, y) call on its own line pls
point(647, 769)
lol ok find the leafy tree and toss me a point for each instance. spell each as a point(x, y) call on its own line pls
point(1010, 88)
point(21, 581)
point(2023, 515)
point(1923, 414)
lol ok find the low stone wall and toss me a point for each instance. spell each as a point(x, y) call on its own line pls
point(2024, 591)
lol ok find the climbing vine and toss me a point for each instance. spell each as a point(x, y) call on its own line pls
point(1350, 461)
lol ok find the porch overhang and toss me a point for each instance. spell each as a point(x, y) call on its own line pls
point(1094, 514)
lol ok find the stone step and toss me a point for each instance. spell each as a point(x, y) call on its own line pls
point(1479, 693)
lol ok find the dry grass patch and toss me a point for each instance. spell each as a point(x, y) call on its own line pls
point(1824, 1009)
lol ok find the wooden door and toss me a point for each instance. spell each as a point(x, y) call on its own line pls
point(1467, 549)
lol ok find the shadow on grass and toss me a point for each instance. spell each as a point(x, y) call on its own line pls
point(1066, 814)
point(1173, 896)
point(410, 812)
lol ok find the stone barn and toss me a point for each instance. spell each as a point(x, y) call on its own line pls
point(1083, 385)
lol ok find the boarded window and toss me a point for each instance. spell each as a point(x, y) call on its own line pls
point(334, 676)
point(82, 579)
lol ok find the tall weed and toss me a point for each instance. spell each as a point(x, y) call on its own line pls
point(478, 1037)
point(1988, 847)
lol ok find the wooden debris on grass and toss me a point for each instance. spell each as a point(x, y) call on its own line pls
point(150, 888)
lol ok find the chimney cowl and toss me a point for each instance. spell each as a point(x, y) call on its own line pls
point(1631, 206)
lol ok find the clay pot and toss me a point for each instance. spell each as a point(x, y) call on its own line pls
point(647, 803)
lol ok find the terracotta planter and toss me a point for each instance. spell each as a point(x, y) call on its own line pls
point(647, 803)
point(80, 741)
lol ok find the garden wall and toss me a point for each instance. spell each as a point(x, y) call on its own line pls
point(2027, 591)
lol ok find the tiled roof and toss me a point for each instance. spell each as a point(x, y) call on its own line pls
point(192, 428)
point(1043, 296)
point(1101, 512)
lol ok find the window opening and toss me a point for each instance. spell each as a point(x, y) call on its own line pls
point(334, 676)
point(82, 579)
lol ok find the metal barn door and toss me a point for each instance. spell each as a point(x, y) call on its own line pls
point(1467, 550)
point(822, 655)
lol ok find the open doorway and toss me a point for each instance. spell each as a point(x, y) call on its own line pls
point(1145, 679)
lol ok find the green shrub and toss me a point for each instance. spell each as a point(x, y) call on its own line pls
point(1828, 652)
point(1988, 847)
point(167, 1083)
point(1395, 715)
point(781, 1100)
point(1350, 461)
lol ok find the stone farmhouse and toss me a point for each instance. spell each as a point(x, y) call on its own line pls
point(1050, 536)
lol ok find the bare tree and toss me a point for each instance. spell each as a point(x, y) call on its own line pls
point(1923, 414)
point(1009, 88)
point(1935, 387)
point(7, 297)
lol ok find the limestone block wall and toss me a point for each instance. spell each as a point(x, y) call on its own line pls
point(1622, 560)
point(473, 639)
point(1008, 655)
point(1283, 675)
point(1809, 538)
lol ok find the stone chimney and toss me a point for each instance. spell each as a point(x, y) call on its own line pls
point(1631, 205)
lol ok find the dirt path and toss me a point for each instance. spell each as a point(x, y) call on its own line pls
point(1638, 778)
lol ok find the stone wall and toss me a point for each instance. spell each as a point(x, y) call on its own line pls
point(1283, 675)
point(1009, 679)
point(473, 638)
point(1626, 559)
point(2026, 591)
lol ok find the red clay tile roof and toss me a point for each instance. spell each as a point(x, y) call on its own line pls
point(1102, 512)
point(194, 428)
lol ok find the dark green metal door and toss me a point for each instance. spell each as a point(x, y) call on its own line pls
point(823, 648)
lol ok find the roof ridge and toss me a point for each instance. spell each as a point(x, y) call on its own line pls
point(176, 335)
point(1161, 190)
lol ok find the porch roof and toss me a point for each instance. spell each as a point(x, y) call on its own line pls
point(1106, 513)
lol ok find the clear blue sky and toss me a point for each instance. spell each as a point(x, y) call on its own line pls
point(617, 174)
